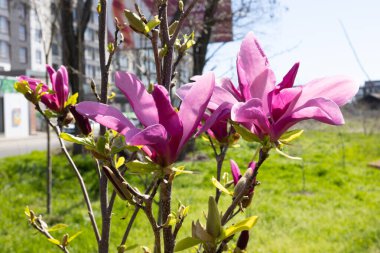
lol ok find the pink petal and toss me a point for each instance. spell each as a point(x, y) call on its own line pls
point(151, 135)
point(65, 78)
point(290, 77)
point(219, 114)
point(105, 115)
point(250, 112)
point(51, 72)
point(141, 101)
point(219, 96)
point(194, 105)
point(321, 109)
point(339, 89)
point(168, 117)
point(282, 100)
point(256, 79)
point(60, 89)
point(227, 84)
point(182, 91)
point(236, 175)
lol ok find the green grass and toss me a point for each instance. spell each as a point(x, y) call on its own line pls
point(330, 202)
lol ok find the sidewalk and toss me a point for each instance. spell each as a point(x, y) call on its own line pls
point(18, 146)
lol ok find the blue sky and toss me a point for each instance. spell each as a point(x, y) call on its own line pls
point(310, 32)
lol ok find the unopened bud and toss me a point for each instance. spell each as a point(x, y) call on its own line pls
point(81, 121)
point(180, 5)
point(119, 184)
point(64, 241)
point(135, 22)
point(173, 27)
point(243, 240)
point(213, 226)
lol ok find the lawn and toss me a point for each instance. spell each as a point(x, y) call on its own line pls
point(329, 202)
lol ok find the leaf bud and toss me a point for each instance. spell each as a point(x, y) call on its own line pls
point(180, 5)
point(135, 22)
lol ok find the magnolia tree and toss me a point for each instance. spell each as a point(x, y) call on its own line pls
point(258, 109)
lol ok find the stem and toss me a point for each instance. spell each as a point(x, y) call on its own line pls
point(157, 60)
point(219, 165)
point(165, 199)
point(48, 235)
point(49, 172)
point(227, 215)
point(106, 217)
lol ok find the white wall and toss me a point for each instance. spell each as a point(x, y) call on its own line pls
point(16, 116)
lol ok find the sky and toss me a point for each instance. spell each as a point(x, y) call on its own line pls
point(310, 32)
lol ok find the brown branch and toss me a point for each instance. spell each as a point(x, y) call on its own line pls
point(77, 173)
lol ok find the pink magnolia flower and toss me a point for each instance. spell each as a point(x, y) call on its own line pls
point(60, 86)
point(270, 110)
point(166, 130)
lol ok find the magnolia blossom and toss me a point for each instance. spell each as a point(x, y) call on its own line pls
point(166, 130)
point(269, 110)
point(60, 86)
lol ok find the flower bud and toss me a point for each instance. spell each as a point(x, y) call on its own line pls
point(242, 241)
point(213, 226)
point(81, 121)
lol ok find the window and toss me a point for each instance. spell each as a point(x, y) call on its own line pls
point(89, 34)
point(22, 32)
point(54, 49)
point(4, 4)
point(22, 54)
point(4, 50)
point(4, 25)
point(38, 35)
point(21, 8)
point(38, 56)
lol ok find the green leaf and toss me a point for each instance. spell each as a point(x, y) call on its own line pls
point(137, 166)
point(120, 162)
point(73, 237)
point(101, 144)
point(221, 188)
point(152, 24)
point(287, 156)
point(186, 243)
point(181, 170)
point(118, 144)
point(246, 224)
point(245, 133)
point(79, 140)
point(27, 211)
point(55, 241)
point(57, 227)
point(170, 221)
point(72, 100)
point(289, 136)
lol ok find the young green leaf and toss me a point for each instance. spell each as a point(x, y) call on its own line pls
point(74, 236)
point(55, 241)
point(221, 188)
point(245, 133)
point(137, 166)
point(287, 156)
point(57, 227)
point(72, 100)
point(152, 24)
point(246, 224)
point(186, 243)
point(289, 136)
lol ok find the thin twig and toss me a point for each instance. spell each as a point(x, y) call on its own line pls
point(227, 215)
point(77, 173)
